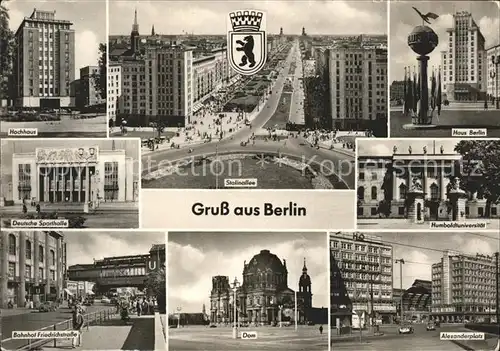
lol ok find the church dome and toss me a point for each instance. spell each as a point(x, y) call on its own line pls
point(265, 260)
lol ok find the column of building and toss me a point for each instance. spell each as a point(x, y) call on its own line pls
point(442, 186)
point(4, 257)
point(21, 291)
point(36, 263)
point(59, 280)
point(47, 264)
point(54, 178)
point(394, 185)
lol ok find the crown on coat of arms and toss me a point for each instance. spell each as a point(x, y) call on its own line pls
point(246, 20)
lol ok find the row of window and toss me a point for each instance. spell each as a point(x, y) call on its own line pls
point(28, 250)
point(28, 272)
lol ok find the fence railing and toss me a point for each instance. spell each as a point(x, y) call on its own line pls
point(93, 318)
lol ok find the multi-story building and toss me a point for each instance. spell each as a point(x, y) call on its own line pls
point(33, 267)
point(397, 91)
point(114, 89)
point(388, 178)
point(463, 288)
point(493, 72)
point(44, 62)
point(464, 61)
point(358, 86)
point(361, 279)
point(88, 93)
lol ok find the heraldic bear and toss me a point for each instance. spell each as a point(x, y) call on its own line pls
point(247, 48)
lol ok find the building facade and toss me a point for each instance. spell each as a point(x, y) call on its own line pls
point(361, 279)
point(88, 94)
point(493, 71)
point(391, 176)
point(114, 89)
point(33, 267)
point(463, 288)
point(358, 86)
point(464, 62)
point(86, 174)
point(44, 62)
point(397, 91)
point(264, 297)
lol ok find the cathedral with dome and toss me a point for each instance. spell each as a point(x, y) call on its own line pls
point(264, 297)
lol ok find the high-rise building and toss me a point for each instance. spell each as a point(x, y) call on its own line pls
point(493, 71)
point(358, 86)
point(33, 266)
point(114, 89)
point(44, 62)
point(464, 65)
point(463, 287)
point(88, 93)
point(361, 279)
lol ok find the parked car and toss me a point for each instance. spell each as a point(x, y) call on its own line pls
point(105, 300)
point(430, 327)
point(405, 329)
point(47, 306)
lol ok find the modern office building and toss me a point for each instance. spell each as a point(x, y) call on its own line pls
point(88, 93)
point(358, 86)
point(379, 176)
point(464, 62)
point(463, 288)
point(361, 279)
point(397, 91)
point(73, 174)
point(44, 61)
point(493, 71)
point(114, 89)
point(33, 267)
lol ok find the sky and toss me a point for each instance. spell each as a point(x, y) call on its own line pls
point(383, 147)
point(10, 146)
point(403, 19)
point(209, 17)
point(194, 258)
point(84, 247)
point(88, 18)
point(421, 250)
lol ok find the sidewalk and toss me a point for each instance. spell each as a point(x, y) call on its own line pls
point(6, 312)
point(137, 334)
point(490, 343)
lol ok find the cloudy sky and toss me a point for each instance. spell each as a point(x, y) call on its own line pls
point(12, 146)
point(194, 258)
point(209, 17)
point(421, 250)
point(84, 247)
point(383, 147)
point(88, 18)
point(403, 19)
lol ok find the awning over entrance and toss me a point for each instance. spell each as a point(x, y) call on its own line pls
point(68, 292)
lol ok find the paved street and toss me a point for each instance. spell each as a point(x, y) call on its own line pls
point(297, 104)
point(449, 119)
point(34, 320)
point(136, 334)
point(420, 340)
point(268, 338)
point(401, 223)
point(66, 127)
point(331, 160)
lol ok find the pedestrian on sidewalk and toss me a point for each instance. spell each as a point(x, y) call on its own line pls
point(138, 307)
point(321, 329)
point(77, 326)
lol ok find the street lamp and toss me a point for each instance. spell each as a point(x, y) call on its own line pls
point(280, 307)
point(401, 263)
point(179, 309)
point(86, 158)
point(236, 285)
point(494, 74)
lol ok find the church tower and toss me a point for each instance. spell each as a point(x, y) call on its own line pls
point(304, 295)
point(281, 31)
point(153, 31)
point(134, 35)
point(304, 31)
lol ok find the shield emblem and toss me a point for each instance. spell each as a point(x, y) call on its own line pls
point(247, 42)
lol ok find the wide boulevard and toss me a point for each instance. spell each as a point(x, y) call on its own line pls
point(332, 160)
point(420, 340)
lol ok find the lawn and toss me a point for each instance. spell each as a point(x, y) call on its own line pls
point(282, 113)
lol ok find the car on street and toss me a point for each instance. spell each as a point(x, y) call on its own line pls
point(47, 306)
point(430, 327)
point(405, 329)
point(105, 300)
